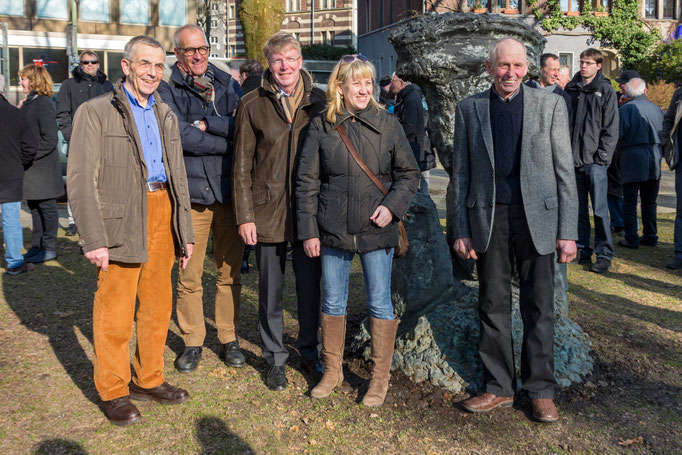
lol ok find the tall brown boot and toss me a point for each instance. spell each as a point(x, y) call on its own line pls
point(383, 341)
point(333, 341)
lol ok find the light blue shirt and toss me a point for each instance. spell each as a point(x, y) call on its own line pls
point(148, 131)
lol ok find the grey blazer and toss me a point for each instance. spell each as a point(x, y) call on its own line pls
point(548, 184)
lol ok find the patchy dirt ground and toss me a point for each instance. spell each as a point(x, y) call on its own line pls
point(632, 403)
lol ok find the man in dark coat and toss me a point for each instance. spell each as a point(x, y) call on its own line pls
point(88, 81)
point(549, 78)
point(639, 152)
point(18, 146)
point(409, 108)
point(671, 140)
point(204, 99)
point(250, 73)
point(594, 134)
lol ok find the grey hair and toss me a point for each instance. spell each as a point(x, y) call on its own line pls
point(129, 49)
point(492, 54)
point(635, 87)
point(176, 36)
point(2, 84)
point(565, 69)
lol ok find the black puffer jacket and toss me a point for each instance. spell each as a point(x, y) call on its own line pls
point(335, 198)
point(409, 108)
point(594, 132)
point(74, 92)
point(18, 146)
point(208, 154)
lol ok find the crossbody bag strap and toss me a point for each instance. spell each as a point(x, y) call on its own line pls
point(356, 157)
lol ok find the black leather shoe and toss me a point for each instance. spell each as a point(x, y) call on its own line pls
point(232, 355)
point(676, 264)
point(25, 267)
point(42, 256)
point(71, 230)
point(31, 252)
point(626, 244)
point(601, 266)
point(313, 366)
point(189, 360)
point(121, 412)
point(276, 379)
point(165, 393)
point(648, 242)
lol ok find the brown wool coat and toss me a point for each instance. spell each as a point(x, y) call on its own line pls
point(265, 157)
point(106, 178)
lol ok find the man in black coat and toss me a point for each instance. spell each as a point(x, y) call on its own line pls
point(594, 134)
point(88, 81)
point(549, 78)
point(250, 73)
point(409, 108)
point(204, 99)
point(18, 146)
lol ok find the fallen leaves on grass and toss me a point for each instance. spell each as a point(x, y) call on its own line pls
point(223, 373)
point(629, 442)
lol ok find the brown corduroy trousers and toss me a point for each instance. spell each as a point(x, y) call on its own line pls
point(114, 309)
point(228, 249)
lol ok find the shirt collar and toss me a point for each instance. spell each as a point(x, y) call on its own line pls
point(134, 102)
point(511, 97)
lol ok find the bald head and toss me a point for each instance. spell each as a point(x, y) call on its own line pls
point(508, 65)
point(507, 43)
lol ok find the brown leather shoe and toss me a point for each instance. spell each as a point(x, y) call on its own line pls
point(544, 410)
point(121, 412)
point(165, 393)
point(487, 402)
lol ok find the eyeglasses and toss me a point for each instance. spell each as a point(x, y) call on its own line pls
point(145, 65)
point(587, 63)
point(351, 58)
point(89, 62)
point(280, 61)
point(190, 51)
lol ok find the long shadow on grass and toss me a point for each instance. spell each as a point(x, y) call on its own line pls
point(215, 437)
point(55, 300)
point(671, 320)
point(649, 284)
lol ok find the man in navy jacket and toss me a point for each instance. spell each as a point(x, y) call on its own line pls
point(204, 98)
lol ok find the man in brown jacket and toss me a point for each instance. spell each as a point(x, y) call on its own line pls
point(128, 190)
point(270, 127)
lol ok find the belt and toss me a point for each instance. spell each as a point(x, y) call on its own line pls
point(156, 186)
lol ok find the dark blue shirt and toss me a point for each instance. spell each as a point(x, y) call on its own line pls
point(506, 121)
point(148, 131)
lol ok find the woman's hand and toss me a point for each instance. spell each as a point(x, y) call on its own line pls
point(312, 247)
point(381, 216)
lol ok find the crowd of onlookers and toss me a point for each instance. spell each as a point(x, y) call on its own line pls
point(271, 163)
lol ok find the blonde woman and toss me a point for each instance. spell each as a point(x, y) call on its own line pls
point(340, 212)
point(43, 180)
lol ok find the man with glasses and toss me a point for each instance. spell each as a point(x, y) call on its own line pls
point(271, 124)
point(88, 81)
point(204, 98)
point(128, 186)
point(594, 135)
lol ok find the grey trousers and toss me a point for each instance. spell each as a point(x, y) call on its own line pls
point(271, 261)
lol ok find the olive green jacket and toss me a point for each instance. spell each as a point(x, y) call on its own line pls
point(107, 177)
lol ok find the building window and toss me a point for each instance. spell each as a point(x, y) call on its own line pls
point(214, 6)
point(650, 9)
point(134, 11)
point(214, 40)
point(297, 35)
point(472, 3)
point(172, 12)
point(570, 5)
point(508, 4)
point(233, 50)
point(12, 8)
point(328, 4)
point(214, 55)
point(668, 9)
point(231, 12)
point(94, 10)
point(54, 61)
point(328, 37)
point(53, 9)
point(214, 23)
point(566, 59)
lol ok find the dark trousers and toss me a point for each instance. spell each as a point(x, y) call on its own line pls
point(648, 192)
point(271, 260)
point(678, 215)
point(45, 223)
point(593, 183)
point(511, 244)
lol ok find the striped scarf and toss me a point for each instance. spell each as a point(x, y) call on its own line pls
point(290, 102)
point(203, 85)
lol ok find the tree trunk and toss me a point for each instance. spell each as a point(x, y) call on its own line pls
point(260, 20)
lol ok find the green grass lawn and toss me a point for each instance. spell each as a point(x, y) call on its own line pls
point(633, 316)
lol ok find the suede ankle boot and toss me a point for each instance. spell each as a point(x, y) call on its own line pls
point(383, 341)
point(333, 342)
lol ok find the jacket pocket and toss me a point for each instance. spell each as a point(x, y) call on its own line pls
point(471, 201)
point(551, 203)
point(261, 197)
point(117, 150)
point(112, 215)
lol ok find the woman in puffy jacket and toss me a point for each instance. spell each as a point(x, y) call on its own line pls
point(43, 182)
point(340, 212)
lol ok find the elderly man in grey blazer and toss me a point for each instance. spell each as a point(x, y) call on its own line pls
point(515, 204)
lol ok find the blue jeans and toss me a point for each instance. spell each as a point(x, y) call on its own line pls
point(592, 182)
point(615, 210)
point(14, 238)
point(376, 269)
point(678, 216)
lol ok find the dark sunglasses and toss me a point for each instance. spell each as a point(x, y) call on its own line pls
point(352, 58)
point(89, 62)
